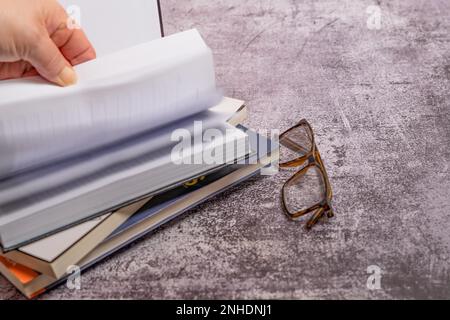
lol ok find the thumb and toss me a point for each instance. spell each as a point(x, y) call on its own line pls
point(50, 63)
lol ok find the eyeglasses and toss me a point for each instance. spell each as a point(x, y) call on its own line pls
point(309, 190)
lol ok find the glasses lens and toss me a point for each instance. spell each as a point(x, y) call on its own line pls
point(298, 142)
point(304, 190)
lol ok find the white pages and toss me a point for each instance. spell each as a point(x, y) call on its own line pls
point(118, 96)
point(113, 25)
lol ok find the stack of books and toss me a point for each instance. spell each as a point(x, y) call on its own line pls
point(46, 263)
point(87, 170)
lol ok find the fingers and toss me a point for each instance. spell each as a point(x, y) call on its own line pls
point(61, 48)
point(48, 60)
point(46, 44)
point(74, 45)
point(19, 69)
point(69, 37)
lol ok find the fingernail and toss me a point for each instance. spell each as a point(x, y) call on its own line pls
point(67, 77)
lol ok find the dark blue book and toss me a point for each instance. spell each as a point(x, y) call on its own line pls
point(263, 148)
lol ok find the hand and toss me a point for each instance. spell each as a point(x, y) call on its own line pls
point(35, 39)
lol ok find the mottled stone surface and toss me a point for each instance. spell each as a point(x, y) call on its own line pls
point(379, 101)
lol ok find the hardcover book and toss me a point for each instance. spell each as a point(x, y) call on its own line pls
point(158, 211)
point(54, 254)
point(97, 144)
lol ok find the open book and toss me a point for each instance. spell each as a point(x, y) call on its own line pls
point(118, 96)
point(55, 254)
point(69, 154)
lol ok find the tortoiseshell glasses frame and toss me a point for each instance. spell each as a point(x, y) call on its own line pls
point(309, 158)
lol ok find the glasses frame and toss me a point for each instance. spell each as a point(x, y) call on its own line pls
point(313, 159)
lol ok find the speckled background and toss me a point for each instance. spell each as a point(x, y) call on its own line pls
point(379, 101)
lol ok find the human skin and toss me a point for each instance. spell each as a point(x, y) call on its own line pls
point(35, 38)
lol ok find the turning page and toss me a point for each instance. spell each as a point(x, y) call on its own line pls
point(117, 97)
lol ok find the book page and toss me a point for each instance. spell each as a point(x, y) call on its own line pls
point(114, 25)
point(118, 96)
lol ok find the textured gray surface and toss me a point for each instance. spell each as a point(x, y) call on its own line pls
point(379, 101)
